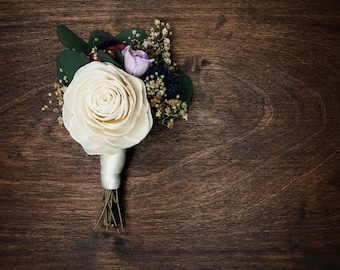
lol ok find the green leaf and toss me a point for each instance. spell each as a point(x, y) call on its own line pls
point(187, 87)
point(71, 40)
point(119, 57)
point(98, 36)
point(125, 34)
point(103, 56)
point(69, 62)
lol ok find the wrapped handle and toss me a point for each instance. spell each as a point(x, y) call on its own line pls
point(111, 167)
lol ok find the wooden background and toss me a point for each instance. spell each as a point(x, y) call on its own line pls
point(250, 181)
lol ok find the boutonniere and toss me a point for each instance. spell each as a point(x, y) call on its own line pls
point(111, 90)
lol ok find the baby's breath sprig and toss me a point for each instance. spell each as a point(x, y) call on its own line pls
point(59, 96)
point(165, 110)
point(134, 39)
point(158, 44)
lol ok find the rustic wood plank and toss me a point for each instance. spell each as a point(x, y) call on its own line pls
point(251, 181)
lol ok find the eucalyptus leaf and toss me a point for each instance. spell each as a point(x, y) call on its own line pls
point(103, 56)
point(71, 40)
point(98, 36)
point(125, 34)
point(69, 62)
point(119, 57)
point(187, 87)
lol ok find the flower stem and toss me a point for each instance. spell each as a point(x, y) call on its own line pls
point(111, 216)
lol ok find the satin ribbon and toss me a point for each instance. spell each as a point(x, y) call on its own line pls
point(111, 168)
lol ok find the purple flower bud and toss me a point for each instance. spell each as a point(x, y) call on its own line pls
point(136, 62)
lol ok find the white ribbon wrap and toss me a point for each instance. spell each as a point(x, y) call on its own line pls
point(111, 167)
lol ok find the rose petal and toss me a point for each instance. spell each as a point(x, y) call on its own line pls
point(142, 65)
point(129, 60)
point(140, 54)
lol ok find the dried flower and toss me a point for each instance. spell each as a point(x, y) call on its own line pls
point(158, 43)
point(59, 96)
point(162, 87)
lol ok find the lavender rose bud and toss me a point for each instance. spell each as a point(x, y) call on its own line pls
point(136, 62)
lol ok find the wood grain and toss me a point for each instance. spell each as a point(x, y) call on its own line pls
point(250, 181)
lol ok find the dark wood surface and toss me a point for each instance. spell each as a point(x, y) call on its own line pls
point(251, 181)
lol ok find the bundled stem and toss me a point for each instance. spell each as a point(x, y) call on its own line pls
point(111, 216)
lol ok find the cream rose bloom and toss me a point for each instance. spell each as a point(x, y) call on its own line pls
point(105, 109)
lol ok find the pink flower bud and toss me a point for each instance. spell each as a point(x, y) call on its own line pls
point(136, 62)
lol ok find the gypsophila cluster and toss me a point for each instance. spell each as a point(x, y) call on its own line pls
point(157, 45)
point(166, 111)
point(59, 96)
